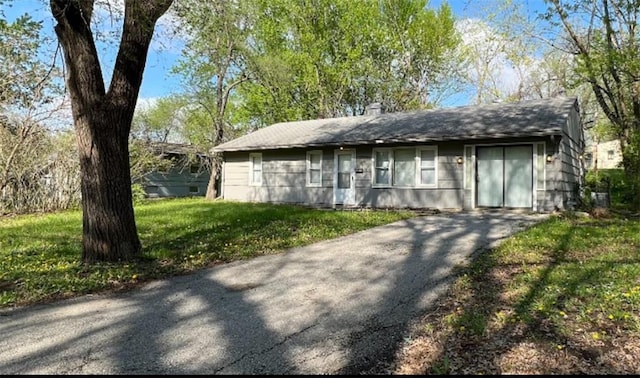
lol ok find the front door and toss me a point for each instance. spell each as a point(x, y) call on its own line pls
point(505, 176)
point(344, 178)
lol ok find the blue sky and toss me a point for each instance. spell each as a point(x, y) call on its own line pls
point(157, 80)
point(165, 50)
point(476, 8)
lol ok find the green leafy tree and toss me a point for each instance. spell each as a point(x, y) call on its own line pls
point(503, 55)
point(153, 126)
point(214, 63)
point(26, 82)
point(602, 35)
point(30, 94)
point(102, 120)
point(254, 63)
point(331, 58)
point(160, 121)
point(20, 75)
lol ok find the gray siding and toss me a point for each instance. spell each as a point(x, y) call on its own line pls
point(284, 176)
point(284, 180)
point(411, 198)
point(572, 167)
point(447, 195)
point(566, 172)
point(176, 183)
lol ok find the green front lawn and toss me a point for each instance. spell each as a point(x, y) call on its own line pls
point(39, 254)
point(560, 298)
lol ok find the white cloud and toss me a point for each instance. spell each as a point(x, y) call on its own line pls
point(146, 103)
point(494, 65)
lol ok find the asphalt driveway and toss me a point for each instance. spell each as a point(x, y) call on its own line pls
point(335, 307)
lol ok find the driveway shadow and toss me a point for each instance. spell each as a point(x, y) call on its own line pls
point(337, 307)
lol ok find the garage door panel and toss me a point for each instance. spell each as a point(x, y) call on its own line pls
point(504, 176)
point(490, 176)
point(518, 176)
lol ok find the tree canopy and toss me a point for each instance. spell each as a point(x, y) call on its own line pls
point(317, 59)
point(602, 35)
point(253, 63)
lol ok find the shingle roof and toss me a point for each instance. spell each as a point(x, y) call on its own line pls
point(172, 148)
point(502, 120)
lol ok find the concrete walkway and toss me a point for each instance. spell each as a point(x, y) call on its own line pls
point(335, 307)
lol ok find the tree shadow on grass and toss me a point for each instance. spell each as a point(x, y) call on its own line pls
point(491, 333)
point(339, 307)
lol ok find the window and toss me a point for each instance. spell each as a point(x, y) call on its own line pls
point(405, 167)
point(382, 175)
point(255, 169)
point(195, 168)
point(193, 190)
point(427, 158)
point(152, 191)
point(610, 155)
point(314, 168)
point(345, 165)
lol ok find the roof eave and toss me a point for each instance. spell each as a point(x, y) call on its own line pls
point(548, 132)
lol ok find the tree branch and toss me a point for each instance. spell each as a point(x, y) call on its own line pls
point(74, 33)
point(140, 18)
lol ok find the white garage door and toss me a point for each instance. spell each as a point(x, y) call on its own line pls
point(505, 176)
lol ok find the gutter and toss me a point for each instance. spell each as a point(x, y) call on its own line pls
point(378, 142)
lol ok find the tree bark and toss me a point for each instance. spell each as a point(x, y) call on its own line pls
point(222, 98)
point(212, 190)
point(102, 121)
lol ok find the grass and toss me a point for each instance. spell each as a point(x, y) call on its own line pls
point(39, 254)
point(560, 298)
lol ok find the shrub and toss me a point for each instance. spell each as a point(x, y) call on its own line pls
point(138, 193)
point(621, 189)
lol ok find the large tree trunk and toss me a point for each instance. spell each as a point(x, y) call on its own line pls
point(108, 222)
point(216, 159)
point(212, 190)
point(102, 121)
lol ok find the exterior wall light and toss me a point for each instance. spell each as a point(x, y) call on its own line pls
point(549, 158)
point(459, 159)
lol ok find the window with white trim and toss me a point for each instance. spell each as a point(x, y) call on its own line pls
point(382, 167)
point(255, 169)
point(427, 159)
point(314, 168)
point(405, 167)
